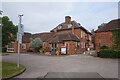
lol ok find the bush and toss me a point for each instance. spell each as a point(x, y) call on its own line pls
point(109, 53)
point(41, 50)
point(36, 44)
point(29, 50)
point(4, 49)
point(104, 47)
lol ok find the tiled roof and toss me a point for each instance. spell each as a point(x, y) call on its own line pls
point(114, 24)
point(45, 36)
point(63, 36)
point(42, 36)
point(65, 26)
point(26, 37)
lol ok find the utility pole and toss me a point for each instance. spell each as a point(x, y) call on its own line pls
point(19, 37)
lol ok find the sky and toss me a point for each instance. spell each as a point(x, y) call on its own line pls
point(44, 16)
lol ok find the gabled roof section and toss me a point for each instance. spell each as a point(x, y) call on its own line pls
point(63, 36)
point(65, 26)
point(26, 37)
point(114, 24)
point(42, 36)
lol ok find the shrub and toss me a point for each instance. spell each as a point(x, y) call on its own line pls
point(29, 50)
point(41, 50)
point(35, 44)
point(109, 53)
point(4, 49)
point(104, 47)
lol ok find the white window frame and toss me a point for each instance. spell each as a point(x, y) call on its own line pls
point(23, 46)
point(10, 49)
point(69, 25)
point(81, 34)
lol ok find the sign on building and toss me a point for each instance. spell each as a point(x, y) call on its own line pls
point(63, 50)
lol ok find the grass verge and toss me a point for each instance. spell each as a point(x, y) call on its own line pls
point(10, 70)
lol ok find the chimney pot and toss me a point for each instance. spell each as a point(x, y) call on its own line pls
point(67, 19)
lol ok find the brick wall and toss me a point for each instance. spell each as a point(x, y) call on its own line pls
point(103, 38)
point(22, 49)
point(81, 34)
point(46, 46)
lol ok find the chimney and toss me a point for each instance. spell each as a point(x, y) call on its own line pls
point(67, 19)
point(73, 26)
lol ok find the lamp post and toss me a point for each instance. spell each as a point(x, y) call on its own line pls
point(19, 37)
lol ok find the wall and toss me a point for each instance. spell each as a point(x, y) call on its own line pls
point(46, 46)
point(21, 47)
point(81, 35)
point(103, 38)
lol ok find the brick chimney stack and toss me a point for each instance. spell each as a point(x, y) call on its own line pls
point(67, 19)
point(73, 26)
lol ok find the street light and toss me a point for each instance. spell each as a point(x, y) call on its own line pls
point(19, 38)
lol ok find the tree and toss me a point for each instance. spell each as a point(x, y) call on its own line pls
point(116, 39)
point(36, 44)
point(9, 31)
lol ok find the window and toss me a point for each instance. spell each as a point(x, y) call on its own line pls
point(43, 45)
point(82, 44)
point(69, 25)
point(10, 47)
point(23, 46)
point(53, 46)
point(81, 34)
point(59, 27)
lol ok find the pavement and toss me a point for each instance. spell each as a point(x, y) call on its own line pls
point(39, 65)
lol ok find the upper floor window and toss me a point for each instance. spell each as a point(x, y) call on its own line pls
point(69, 25)
point(59, 27)
point(81, 34)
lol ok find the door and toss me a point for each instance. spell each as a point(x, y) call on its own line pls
point(54, 46)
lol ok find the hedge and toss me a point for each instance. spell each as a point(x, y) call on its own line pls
point(109, 53)
point(4, 49)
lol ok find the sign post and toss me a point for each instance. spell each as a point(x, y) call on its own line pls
point(19, 38)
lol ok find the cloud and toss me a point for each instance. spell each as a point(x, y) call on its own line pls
point(44, 16)
point(60, 0)
point(91, 15)
point(38, 17)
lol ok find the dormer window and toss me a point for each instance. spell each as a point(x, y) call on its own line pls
point(69, 25)
point(59, 27)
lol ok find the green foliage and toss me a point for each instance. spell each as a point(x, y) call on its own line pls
point(7, 28)
point(4, 49)
point(116, 39)
point(41, 50)
point(109, 53)
point(10, 69)
point(104, 47)
point(36, 44)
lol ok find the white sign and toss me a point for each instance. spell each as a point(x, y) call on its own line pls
point(19, 37)
point(63, 50)
point(21, 29)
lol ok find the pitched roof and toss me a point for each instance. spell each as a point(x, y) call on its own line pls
point(26, 37)
point(45, 36)
point(42, 36)
point(114, 24)
point(65, 26)
point(63, 36)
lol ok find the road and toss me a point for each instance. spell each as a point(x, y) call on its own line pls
point(39, 65)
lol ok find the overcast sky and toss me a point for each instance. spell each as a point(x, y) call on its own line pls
point(44, 16)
